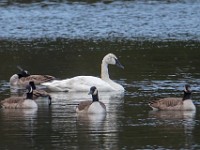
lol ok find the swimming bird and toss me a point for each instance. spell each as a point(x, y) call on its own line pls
point(20, 102)
point(172, 103)
point(39, 93)
point(83, 83)
point(23, 78)
point(92, 107)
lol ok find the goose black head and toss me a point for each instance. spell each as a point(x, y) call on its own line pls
point(23, 73)
point(32, 84)
point(94, 92)
point(187, 92)
point(29, 92)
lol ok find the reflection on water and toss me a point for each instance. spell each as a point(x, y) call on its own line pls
point(176, 121)
point(110, 99)
point(26, 114)
point(18, 126)
point(152, 70)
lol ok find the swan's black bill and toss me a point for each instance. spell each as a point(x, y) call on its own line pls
point(119, 64)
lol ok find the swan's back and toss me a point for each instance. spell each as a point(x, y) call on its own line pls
point(79, 84)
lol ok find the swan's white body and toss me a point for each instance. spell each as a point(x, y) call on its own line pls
point(83, 83)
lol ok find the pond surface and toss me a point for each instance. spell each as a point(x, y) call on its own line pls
point(138, 19)
point(157, 64)
point(152, 70)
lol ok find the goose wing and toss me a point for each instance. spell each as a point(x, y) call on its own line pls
point(82, 105)
point(103, 105)
point(79, 83)
point(12, 102)
point(40, 93)
point(166, 103)
point(37, 78)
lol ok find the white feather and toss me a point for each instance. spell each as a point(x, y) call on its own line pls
point(83, 83)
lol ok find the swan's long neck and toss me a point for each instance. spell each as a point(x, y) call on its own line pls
point(104, 71)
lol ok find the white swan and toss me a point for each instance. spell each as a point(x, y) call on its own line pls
point(83, 83)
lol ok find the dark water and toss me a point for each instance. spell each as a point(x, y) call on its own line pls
point(156, 41)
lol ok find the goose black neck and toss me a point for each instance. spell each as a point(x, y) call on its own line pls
point(20, 75)
point(95, 98)
point(29, 95)
point(32, 84)
point(187, 95)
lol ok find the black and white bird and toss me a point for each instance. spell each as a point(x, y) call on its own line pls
point(92, 107)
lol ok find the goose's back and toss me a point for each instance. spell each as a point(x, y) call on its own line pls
point(12, 102)
point(18, 102)
point(37, 78)
point(167, 104)
point(83, 106)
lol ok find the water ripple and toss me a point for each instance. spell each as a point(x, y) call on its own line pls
point(119, 19)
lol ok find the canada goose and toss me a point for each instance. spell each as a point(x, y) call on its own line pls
point(20, 102)
point(39, 93)
point(83, 83)
point(172, 103)
point(23, 78)
point(92, 107)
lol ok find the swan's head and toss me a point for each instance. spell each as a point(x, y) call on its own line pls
point(112, 59)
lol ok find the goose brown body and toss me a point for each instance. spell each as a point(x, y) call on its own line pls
point(167, 103)
point(84, 105)
point(15, 80)
point(20, 102)
point(23, 78)
point(39, 93)
point(173, 103)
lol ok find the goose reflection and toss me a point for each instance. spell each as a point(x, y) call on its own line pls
point(73, 98)
point(19, 113)
point(185, 119)
point(173, 115)
point(92, 121)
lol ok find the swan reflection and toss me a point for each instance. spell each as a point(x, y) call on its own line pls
point(73, 98)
